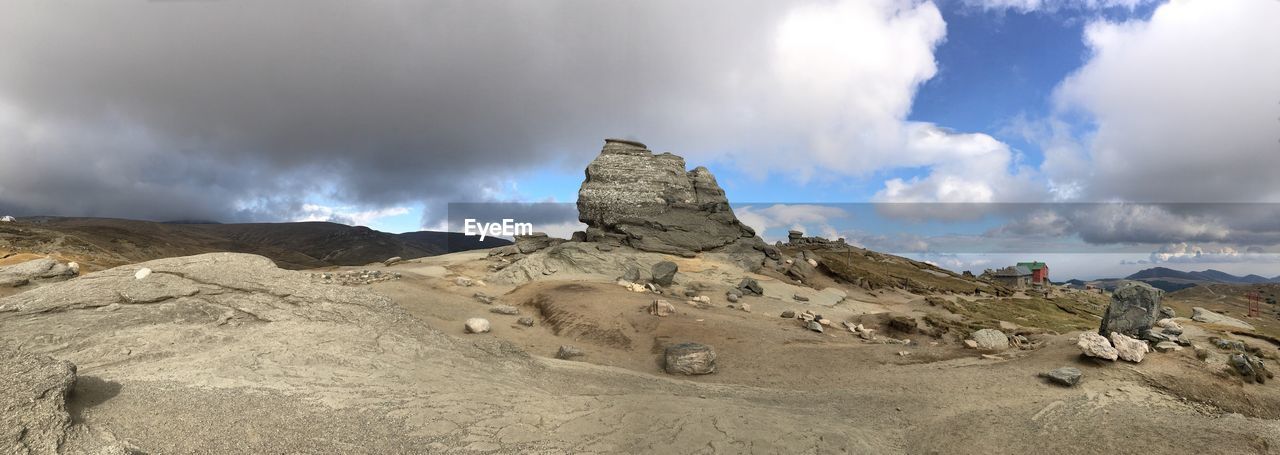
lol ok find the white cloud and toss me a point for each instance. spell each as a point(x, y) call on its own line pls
point(1185, 106)
point(791, 216)
point(1054, 5)
point(1186, 253)
point(346, 215)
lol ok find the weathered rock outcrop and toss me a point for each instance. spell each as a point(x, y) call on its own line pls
point(33, 393)
point(1209, 317)
point(650, 202)
point(38, 270)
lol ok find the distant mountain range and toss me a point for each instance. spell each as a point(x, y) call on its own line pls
point(1172, 280)
point(107, 242)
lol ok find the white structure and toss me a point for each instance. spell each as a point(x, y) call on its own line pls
point(7, 219)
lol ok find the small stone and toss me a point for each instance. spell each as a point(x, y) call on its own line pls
point(1167, 346)
point(567, 352)
point(74, 266)
point(632, 274)
point(477, 325)
point(800, 298)
point(814, 326)
point(690, 359)
point(990, 340)
point(142, 273)
point(732, 298)
point(971, 344)
point(749, 286)
point(483, 298)
point(505, 309)
point(463, 281)
point(661, 308)
point(1067, 376)
point(526, 321)
point(788, 314)
point(746, 307)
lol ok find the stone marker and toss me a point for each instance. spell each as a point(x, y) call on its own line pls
point(690, 359)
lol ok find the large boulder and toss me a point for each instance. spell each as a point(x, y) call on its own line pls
point(652, 203)
point(990, 340)
point(37, 270)
point(1128, 348)
point(1135, 307)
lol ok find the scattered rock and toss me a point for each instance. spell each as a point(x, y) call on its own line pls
point(632, 274)
point(788, 314)
point(1128, 348)
point(664, 273)
point(990, 340)
point(1167, 313)
point(567, 352)
point(1095, 345)
point(1167, 346)
point(1067, 376)
point(1250, 368)
point(813, 325)
point(745, 307)
point(690, 359)
point(477, 325)
point(661, 308)
point(749, 286)
point(526, 321)
point(1133, 309)
point(971, 344)
point(731, 297)
point(906, 324)
point(74, 267)
point(483, 298)
point(505, 309)
point(800, 298)
point(1209, 317)
point(463, 281)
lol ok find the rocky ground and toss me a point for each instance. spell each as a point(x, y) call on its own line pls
point(673, 329)
point(227, 353)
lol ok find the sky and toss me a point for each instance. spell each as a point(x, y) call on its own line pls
point(1094, 112)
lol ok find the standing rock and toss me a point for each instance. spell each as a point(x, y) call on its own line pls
point(1129, 348)
point(1209, 317)
point(567, 352)
point(1094, 345)
point(661, 308)
point(664, 273)
point(1135, 306)
point(651, 203)
point(477, 325)
point(690, 359)
point(1067, 376)
point(990, 340)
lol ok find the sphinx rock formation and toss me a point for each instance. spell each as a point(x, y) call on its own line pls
point(650, 202)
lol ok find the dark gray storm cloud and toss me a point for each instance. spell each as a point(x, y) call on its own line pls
point(234, 110)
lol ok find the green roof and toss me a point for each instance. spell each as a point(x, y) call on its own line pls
point(1032, 265)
